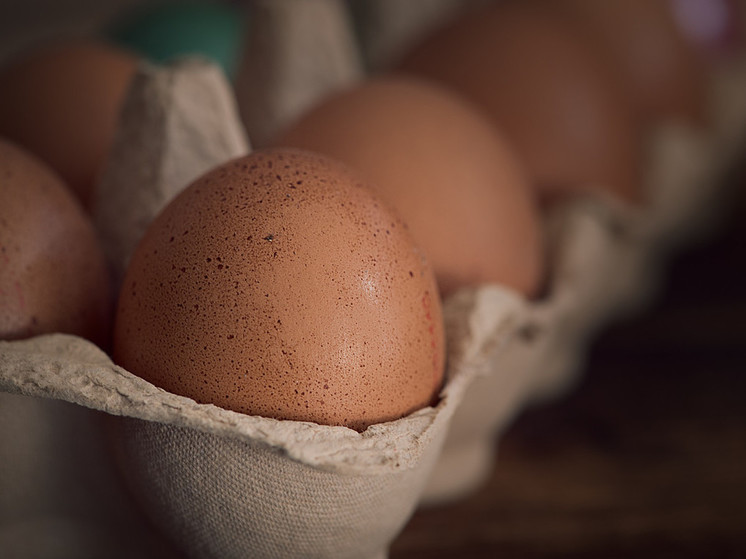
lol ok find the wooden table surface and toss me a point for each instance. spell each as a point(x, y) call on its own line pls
point(646, 457)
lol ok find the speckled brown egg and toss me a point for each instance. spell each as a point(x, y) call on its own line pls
point(52, 272)
point(278, 285)
point(438, 162)
point(558, 103)
point(61, 101)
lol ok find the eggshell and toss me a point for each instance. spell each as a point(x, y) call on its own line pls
point(558, 103)
point(277, 285)
point(61, 102)
point(52, 273)
point(438, 162)
point(662, 70)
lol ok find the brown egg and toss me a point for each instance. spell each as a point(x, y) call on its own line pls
point(553, 99)
point(53, 277)
point(439, 163)
point(662, 70)
point(61, 102)
point(278, 285)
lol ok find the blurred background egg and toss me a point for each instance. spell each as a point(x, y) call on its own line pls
point(437, 161)
point(52, 272)
point(278, 285)
point(164, 31)
point(546, 90)
point(662, 70)
point(61, 101)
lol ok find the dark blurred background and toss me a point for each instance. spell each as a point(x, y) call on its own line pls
point(646, 458)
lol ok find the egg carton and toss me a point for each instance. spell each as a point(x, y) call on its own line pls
point(350, 493)
point(224, 484)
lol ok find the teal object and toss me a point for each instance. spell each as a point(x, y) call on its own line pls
point(166, 31)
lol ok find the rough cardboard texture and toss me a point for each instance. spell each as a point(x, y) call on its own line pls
point(232, 499)
point(59, 493)
point(168, 135)
point(68, 368)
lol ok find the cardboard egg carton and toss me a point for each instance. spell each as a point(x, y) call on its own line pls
point(224, 484)
point(218, 482)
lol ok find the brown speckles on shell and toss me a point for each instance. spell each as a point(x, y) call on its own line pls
point(286, 307)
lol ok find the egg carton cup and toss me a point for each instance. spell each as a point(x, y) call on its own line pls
point(59, 493)
point(220, 483)
point(223, 484)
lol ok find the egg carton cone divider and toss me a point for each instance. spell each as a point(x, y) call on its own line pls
point(296, 53)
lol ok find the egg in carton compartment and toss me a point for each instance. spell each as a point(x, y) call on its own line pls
point(355, 490)
point(218, 482)
point(503, 351)
point(351, 493)
point(607, 260)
